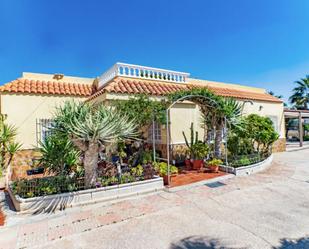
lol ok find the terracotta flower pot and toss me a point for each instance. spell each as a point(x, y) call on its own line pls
point(213, 168)
point(165, 179)
point(188, 164)
point(197, 164)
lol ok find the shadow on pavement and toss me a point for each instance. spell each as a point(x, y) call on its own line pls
point(300, 243)
point(50, 205)
point(197, 242)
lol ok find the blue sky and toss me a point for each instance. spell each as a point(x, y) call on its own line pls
point(261, 43)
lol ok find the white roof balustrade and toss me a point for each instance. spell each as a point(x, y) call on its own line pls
point(142, 72)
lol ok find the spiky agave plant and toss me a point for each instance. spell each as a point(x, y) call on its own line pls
point(90, 128)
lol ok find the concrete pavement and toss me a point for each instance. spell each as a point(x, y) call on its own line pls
point(266, 210)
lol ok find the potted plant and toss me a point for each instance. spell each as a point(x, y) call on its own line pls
point(213, 165)
point(162, 169)
point(197, 150)
point(188, 163)
point(200, 151)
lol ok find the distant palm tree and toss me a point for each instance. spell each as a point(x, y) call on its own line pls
point(277, 96)
point(300, 97)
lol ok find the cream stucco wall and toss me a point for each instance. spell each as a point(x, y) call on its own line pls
point(23, 111)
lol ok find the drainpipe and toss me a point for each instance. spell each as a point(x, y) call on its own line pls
point(153, 140)
point(300, 129)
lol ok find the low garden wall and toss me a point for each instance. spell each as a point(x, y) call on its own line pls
point(249, 169)
point(51, 203)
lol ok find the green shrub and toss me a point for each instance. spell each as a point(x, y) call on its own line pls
point(244, 161)
point(256, 134)
point(146, 157)
point(59, 155)
point(45, 186)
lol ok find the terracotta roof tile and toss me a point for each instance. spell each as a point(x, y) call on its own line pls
point(46, 87)
point(123, 86)
point(129, 86)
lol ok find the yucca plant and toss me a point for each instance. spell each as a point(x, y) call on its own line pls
point(90, 128)
point(8, 146)
point(229, 111)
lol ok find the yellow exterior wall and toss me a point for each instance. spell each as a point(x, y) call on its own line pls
point(23, 111)
point(270, 110)
point(182, 114)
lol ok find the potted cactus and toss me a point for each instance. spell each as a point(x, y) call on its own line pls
point(196, 148)
point(214, 164)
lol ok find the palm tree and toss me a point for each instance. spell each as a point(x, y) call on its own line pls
point(300, 97)
point(229, 111)
point(90, 129)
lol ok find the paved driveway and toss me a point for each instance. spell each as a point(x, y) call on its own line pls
point(266, 210)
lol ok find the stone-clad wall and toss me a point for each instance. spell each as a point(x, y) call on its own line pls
point(279, 145)
point(24, 160)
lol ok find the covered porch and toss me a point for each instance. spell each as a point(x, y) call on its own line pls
point(296, 131)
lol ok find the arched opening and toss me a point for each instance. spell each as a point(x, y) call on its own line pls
point(203, 102)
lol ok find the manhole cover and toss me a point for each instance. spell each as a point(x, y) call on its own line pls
point(215, 184)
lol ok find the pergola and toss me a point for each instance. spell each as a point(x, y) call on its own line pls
point(190, 97)
point(300, 115)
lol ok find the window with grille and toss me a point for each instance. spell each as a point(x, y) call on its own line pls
point(43, 129)
point(157, 132)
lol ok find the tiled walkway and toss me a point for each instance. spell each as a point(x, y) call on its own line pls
point(192, 177)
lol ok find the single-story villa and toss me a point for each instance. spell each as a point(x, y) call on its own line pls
point(29, 102)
